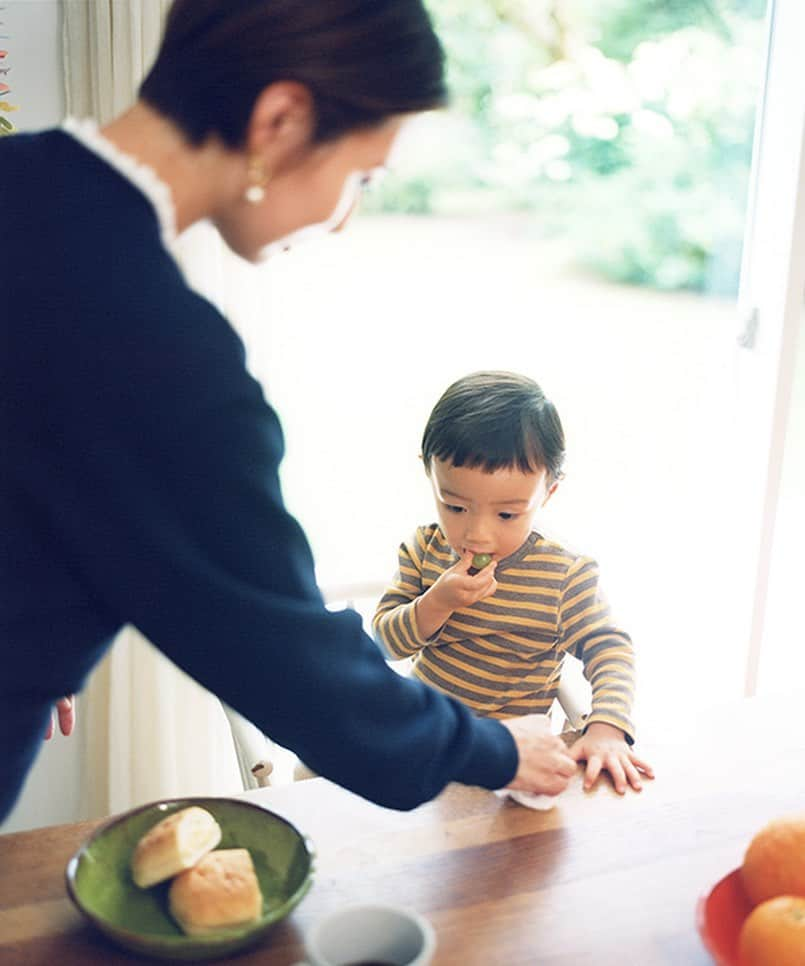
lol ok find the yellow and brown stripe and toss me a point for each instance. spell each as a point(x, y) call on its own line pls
point(503, 655)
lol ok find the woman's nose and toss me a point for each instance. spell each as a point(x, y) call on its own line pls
point(346, 219)
point(356, 188)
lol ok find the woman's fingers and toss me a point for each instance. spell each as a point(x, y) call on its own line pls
point(566, 766)
point(554, 785)
point(65, 708)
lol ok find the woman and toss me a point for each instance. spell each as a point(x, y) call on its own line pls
point(142, 481)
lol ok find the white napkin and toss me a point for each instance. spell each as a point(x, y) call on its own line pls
point(545, 802)
point(541, 803)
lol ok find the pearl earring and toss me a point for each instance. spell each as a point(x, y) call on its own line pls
point(258, 179)
point(254, 194)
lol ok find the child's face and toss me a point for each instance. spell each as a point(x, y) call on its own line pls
point(486, 512)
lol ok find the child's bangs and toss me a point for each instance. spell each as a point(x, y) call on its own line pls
point(498, 448)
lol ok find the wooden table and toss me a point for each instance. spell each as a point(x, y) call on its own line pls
point(598, 880)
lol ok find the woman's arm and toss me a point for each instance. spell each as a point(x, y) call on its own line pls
point(169, 504)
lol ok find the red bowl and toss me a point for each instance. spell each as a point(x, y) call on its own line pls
point(719, 917)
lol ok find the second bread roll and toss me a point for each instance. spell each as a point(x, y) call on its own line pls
point(220, 892)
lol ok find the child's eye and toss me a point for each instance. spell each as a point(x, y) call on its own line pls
point(508, 516)
point(451, 508)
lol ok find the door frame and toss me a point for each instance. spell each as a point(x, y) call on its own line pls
point(771, 300)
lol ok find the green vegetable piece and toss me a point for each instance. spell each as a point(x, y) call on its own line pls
point(481, 560)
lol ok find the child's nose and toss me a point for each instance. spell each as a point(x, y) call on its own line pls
point(477, 534)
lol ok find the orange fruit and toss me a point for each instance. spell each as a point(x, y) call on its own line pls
point(774, 933)
point(774, 864)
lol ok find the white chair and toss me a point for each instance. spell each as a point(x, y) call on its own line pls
point(252, 749)
point(575, 695)
point(256, 753)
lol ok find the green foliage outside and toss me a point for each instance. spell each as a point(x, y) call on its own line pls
point(624, 127)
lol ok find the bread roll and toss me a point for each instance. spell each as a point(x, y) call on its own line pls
point(174, 844)
point(220, 892)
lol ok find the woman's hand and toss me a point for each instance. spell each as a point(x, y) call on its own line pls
point(604, 747)
point(65, 707)
point(545, 766)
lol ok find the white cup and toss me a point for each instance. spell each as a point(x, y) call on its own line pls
point(371, 934)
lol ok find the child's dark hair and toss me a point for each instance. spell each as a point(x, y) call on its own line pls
point(495, 420)
point(362, 60)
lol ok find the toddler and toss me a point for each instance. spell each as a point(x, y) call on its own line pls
point(495, 635)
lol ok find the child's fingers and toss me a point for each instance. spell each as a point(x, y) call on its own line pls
point(464, 564)
point(487, 574)
point(576, 750)
point(594, 765)
point(50, 728)
point(482, 584)
point(479, 575)
point(641, 765)
point(615, 769)
point(632, 776)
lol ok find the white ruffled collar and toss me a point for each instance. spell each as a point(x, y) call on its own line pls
point(140, 175)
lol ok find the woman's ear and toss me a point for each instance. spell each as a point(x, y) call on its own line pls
point(282, 124)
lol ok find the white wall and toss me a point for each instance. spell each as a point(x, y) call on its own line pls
point(52, 792)
point(34, 56)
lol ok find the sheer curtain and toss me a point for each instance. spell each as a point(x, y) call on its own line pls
point(149, 730)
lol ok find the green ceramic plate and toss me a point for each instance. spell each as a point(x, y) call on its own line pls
point(99, 881)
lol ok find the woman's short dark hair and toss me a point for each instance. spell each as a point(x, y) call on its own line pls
point(495, 420)
point(362, 60)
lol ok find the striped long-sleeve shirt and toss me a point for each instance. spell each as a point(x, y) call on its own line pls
point(503, 655)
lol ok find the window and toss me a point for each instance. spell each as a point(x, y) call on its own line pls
point(577, 216)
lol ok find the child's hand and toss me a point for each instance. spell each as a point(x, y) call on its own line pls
point(604, 747)
point(457, 588)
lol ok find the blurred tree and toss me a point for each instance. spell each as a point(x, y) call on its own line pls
point(625, 125)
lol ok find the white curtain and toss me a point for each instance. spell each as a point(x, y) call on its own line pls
point(108, 47)
point(149, 730)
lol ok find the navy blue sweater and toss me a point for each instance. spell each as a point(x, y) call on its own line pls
point(138, 484)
